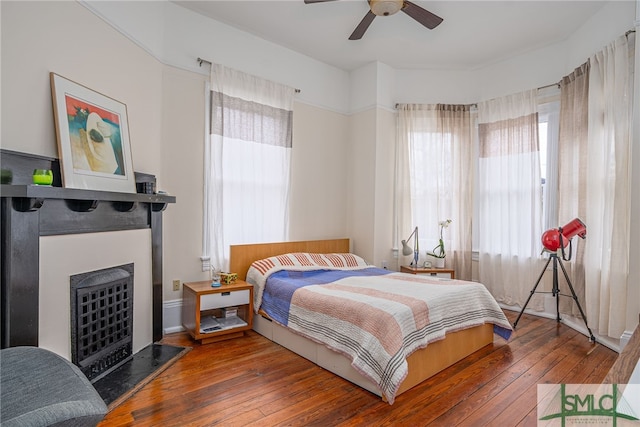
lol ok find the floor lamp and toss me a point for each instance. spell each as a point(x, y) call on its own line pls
point(554, 240)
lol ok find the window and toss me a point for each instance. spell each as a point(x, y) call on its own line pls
point(548, 127)
point(433, 181)
point(247, 163)
point(431, 184)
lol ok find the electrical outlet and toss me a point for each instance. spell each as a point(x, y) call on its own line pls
point(176, 285)
point(384, 264)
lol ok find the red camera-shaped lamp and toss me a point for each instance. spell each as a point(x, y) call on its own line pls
point(559, 238)
point(552, 240)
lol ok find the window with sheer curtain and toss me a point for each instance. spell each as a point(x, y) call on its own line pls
point(540, 164)
point(433, 182)
point(510, 196)
point(247, 163)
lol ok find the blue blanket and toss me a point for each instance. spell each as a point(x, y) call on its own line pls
point(281, 285)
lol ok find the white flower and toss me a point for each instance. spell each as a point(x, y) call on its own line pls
point(439, 251)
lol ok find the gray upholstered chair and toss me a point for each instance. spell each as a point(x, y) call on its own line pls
point(40, 388)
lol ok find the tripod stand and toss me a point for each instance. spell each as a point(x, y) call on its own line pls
point(556, 292)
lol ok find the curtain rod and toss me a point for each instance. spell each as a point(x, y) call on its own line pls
point(558, 84)
point(551, 85)
point(539, 88)
point(200, 61)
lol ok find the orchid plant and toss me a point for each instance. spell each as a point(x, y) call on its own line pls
point(439, 251)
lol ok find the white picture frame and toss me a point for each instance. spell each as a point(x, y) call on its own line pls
point(92, 132)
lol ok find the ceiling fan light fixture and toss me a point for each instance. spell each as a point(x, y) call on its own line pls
point(385, 7)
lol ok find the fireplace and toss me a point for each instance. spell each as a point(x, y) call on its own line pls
point(102, 320)
point(31, 213)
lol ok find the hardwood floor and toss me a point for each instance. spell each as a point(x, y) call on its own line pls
point(252, 381)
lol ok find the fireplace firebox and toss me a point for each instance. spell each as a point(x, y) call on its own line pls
point(102, 320)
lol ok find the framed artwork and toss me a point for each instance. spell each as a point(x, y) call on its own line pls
point(93, 138)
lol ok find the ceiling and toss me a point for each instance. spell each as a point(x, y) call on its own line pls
point(473, 34)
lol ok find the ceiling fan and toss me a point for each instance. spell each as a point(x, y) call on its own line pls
point(390, 7)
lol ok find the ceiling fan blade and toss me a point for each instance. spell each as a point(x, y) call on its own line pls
point(362, 26)
point(421, 15)
point(315, 1)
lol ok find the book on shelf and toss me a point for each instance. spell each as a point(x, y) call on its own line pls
point(214, 324)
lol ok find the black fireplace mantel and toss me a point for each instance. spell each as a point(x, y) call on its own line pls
point(50, 192)
point(118, 210)
point(30, 211)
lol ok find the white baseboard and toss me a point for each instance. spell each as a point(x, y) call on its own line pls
point(624, 339)
point(172, 316)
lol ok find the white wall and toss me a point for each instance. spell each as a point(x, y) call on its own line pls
point(105, 61)
point(361, 177)
point(319, 167)
point(372, 139)
point(384, 190)
point(183, 98)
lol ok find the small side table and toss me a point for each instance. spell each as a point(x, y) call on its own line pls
point(440, 272)
point(201, 303)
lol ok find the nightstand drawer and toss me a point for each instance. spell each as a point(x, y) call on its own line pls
point(224, 299)
point(438, 272)
point(442, 275)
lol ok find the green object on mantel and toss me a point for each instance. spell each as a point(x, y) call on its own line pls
point(6, 176)
point(42, 176)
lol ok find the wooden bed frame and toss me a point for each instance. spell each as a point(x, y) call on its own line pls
point(423, 363)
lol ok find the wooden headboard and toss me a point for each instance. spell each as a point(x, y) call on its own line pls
point(242, 256)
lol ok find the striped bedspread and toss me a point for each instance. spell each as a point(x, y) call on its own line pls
point(375, 317)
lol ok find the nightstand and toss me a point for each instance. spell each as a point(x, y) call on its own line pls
point(214, 314)
point(439, 272)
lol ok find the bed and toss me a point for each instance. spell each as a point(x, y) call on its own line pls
point(310, 296)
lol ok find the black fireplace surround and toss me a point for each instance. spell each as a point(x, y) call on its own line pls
point(30, 211)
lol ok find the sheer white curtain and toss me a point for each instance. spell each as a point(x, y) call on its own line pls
point(572, 173)
point(608, 186)
point(510, 199)
point(434, 172)
point(247, 163)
